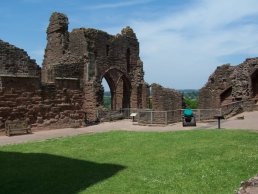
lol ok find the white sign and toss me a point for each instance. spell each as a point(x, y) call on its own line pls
point(133, 114)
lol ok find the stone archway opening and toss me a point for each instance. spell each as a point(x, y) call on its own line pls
point(226, 96)
point(254, 78)
point(107, 97)
point(108, 86)
point(119, 89)
point(122, 92)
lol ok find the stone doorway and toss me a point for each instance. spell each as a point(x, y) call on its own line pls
point(120, 89)
point(112, 89)
point(107, 95)
point(254, 78)
point(226, 96)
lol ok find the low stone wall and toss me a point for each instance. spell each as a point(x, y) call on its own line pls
point(44, 107)
point(164, 99)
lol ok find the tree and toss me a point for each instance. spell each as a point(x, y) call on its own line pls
point(191, 103)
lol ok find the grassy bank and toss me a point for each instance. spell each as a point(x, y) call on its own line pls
point(209, 161)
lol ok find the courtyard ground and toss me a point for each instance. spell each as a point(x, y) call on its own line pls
point(249, 122)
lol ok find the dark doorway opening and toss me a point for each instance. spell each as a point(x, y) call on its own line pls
point(226, 96)
point(255, 84)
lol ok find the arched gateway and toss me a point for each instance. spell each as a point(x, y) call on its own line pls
point(82, 58)
point(120, 88)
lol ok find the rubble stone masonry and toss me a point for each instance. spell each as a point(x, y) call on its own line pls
point(230, 84)
point(165, 99)
point(86, 56)
point(69, 85)
point(23, 96)
point(68, 88)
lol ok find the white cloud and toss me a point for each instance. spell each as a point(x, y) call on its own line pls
point(118, 4)
point(191, 42)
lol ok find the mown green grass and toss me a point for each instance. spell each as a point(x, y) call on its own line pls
point(200, 161)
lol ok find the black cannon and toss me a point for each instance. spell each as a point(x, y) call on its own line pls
point(188, 118)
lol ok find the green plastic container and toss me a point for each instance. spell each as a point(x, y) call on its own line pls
point(188, 113)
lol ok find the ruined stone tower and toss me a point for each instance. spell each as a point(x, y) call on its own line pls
point(232, 84)
point(68, 89)
point(82, 58)
point(57, 37)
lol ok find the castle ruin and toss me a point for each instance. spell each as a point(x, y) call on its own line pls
point(81, 59)
point(232, 84)
point(68, 88)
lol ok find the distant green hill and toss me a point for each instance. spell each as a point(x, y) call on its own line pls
point(190, 93)
point(107, 93)
point(191, 97)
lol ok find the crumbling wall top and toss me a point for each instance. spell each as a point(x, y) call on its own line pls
point(15, 61)
point(57, 22)
point(128, 31)
point(165, 98)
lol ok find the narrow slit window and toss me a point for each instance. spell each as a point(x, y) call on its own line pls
point(128, 61)
point(107, 50)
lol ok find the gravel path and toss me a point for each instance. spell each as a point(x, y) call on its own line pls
point(123, 125)
point(249, 122)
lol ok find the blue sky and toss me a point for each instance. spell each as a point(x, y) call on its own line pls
point(181, 41)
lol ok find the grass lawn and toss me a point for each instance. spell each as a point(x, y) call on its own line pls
point(199, 161)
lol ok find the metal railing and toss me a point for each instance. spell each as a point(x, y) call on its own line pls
point(173, 116)
point(152, 117)
point(237, 107)
point(124, 113)
point(148, 116)
point(128, 111)
point(232, 108)
point(206, 114)
point(108, 115)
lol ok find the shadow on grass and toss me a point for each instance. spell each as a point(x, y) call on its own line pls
point(43, 173)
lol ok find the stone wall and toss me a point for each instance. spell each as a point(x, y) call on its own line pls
point(91, 55)
point(46, 107)
point(74, 65)
point(13, 83)
point(218, 82)
point(15, 61)
point(229, 84)
point(23, 96)
point(164, 99)
point(68, 88)
point(245, 80)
